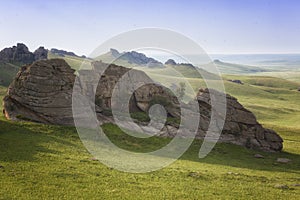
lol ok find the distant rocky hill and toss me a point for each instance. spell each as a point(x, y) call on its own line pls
point(42, 92)
point(190, 71)
point(63, 53)
point(142, 62)
point(129, 59)
point(21, 55)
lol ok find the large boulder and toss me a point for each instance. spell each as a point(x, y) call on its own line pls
point(141, 99)
point(241, 126)
point(41, 92)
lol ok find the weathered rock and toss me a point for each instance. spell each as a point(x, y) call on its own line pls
point(258, 156)
point(241, 126)
point(42, 92)
point(40, 54)
point(142, 98)
point(237, 81)
point(283, 160)
point(17, 54)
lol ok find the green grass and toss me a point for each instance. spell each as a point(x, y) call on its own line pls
point(266, 81)
point(231, 68)
point(49, 162)
point(288, 75)
point(274, 101)
point(7, 73)
point(74, 62)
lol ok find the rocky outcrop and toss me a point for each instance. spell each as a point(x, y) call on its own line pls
point(42, 92)
point(115, 53)
point(237, 81)
point(17, 54)
point(240, 127)
point(170, 62)
point(132, 58)
point(21, 55)
point(141, 99)
point(63, 53)
point(40, 54)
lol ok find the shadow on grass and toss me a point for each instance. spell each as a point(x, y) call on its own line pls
point(21, 141)
point(222, 154)
point(240, 157)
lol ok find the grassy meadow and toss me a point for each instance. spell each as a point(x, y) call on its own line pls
point(49, 162)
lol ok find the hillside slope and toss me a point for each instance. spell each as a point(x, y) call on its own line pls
point(41, 161)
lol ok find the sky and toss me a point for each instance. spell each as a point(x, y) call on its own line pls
point(218, 26)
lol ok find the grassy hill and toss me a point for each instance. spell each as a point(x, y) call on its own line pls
point(292, 75)
point(231, 68)
point(73, 61)
point(49, 162)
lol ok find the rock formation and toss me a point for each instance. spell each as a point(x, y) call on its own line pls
point(17, 54)
point(142, 97)
point(40, 54)
point(240, 127)
point(237, 81)
point(170, 62)
point(42, 92)
point(131, 58)
point(21, 55)
point(63, 53)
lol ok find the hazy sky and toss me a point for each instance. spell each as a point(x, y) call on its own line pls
point(228, 26)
